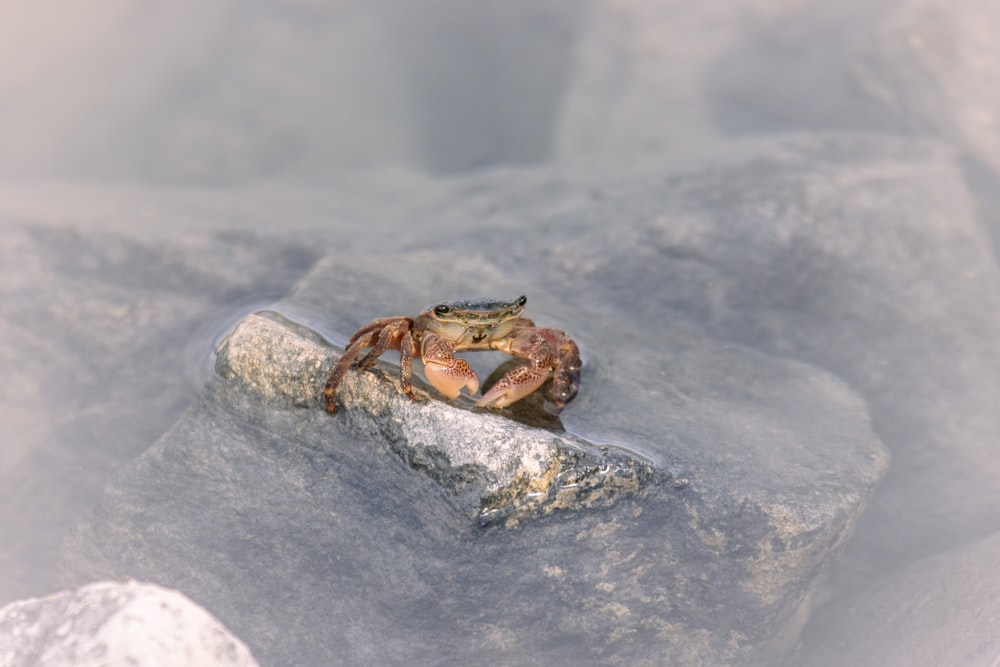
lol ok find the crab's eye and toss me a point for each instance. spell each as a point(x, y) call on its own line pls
point(521, 300)
point(442, 309)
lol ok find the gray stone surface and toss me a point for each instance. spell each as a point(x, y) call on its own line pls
point(762, 465)
point(106, 339)
point(112, 623)
point(869, 219)
point(771, 225)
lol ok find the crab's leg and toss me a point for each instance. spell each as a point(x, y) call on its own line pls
point(526, 343)
point(396, 336)
point(566, 374)
point(446, 373)
point(358, 343)
point(380, 335)
point(378, 324)
point(389, 338)
point(406, 350)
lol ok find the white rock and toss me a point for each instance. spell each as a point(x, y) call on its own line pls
point(113, 623)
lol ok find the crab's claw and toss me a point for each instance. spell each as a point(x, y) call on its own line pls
point(450, 378)
point(515, 385)
point(566, 376)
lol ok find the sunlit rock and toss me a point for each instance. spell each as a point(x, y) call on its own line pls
point(116, 623)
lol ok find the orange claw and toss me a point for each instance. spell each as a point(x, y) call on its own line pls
point(513, 386)
point(449, 380)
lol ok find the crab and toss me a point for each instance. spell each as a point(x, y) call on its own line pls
point(468, 324)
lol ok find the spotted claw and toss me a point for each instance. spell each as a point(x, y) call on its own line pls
point(449, 380)
point(515, 385)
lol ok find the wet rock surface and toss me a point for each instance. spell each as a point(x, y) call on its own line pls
point(771, 226)
point(761, 462)
point(731, 477)
point(106, 338)
point(112, 623)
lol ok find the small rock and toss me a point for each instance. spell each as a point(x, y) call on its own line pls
point(113, 623)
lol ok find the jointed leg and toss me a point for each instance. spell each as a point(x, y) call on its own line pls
point(406, 350)
point(388, 339)
point(345, 361)
point(380, 335)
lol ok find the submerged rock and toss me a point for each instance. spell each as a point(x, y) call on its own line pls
point(114, 623)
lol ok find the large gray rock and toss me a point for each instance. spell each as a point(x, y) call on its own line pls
point(111, 623)
point(308, 529)
point(675, 374)
point(303, 528)
point(841, 251)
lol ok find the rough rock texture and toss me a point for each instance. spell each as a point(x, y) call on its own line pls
point(497, 469)
point(701, 356)
point(761, 467)
point(872, 231)
point(110, 623)
point(772, 226)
